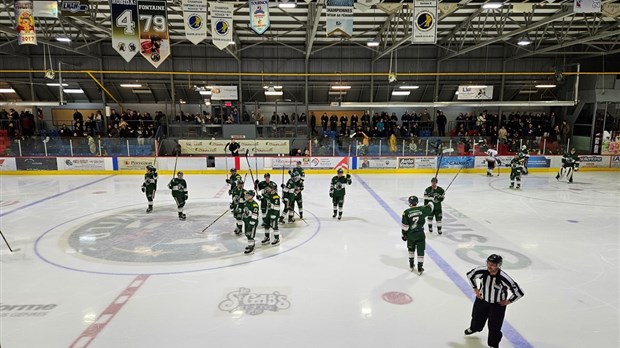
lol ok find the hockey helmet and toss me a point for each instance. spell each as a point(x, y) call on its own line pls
point(267, 175)
point(233, 170)
point(434, 180)
point(295, 176)
point(150, 168)
point(179, 175)
point(496, 259)
point(340, 171)
point(250, 193)
point(413, 200)
point(523, 147)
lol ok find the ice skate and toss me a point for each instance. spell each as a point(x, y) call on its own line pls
point(420, 269)
point(276, 241)
point(149, 209)
point(182, 216)
point(335, 213)
point(411, 266)
point(238, 231)
point(249, 249)
point(340, 216)
point(265, 241)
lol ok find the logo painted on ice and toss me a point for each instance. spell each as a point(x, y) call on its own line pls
point(253, 304)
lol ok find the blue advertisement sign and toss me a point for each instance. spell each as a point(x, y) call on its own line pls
point(457, 162)
point(539, 162)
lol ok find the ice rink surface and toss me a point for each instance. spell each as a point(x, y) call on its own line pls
point(93, 270)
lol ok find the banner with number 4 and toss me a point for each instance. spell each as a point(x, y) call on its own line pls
point(125, 35)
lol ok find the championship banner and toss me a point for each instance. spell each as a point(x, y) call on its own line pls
point(611, 10)
point(365, 5)
point(339, 17)
point(222, 24)
point(259, 16)
point(195, 18)
point(26, 34)
point(153, 24)
point(587, 6)
point(125, 34)
point(475, 93)
point(48, 9)
point(424, 22)
point(75, 8)
point(224, 93)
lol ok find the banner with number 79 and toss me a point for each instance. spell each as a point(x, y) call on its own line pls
point(154, 38)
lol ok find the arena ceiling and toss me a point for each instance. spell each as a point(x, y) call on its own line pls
point(465, 29)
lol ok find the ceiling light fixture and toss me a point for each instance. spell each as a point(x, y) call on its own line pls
point(492, 5)
point(272, 92)
point(7, 90)
point(341, 87)
point(205, 92)
point(373, 43)
point(63, 39)
point(477, 86)
point(287, 4)
point(131, 85)
point(56, 84)
point(73, 90)
point(545, 86)
point(408, 87)
point(141, 91)
point(524, 42)
point(401, 92)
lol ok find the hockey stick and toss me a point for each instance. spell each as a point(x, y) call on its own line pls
point(7, 243)
point(226, 159)
point(174, 172)
point(300, 218)
point(448, 150)
point(157, 147)
point(247, 151)
point(255, 165)
point(457, 174)
point(214, 221)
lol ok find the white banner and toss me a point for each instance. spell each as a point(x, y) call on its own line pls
point(377, 163)
point(224, 93)
point(310, 162)
point(195, 18)
point(587, 6)
point(47, 9)
point(25, 28)
point(7, 163)
point(339, 17)
point(475, 93)
point(222, 24)
point(365, 5)
point(218, 147)
point(424, 22)
point(594, 161)
point(81, 163)
point(615, 161)
point(259, 16)
point(125, 32)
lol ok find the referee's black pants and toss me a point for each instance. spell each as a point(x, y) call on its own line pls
point(495, 313)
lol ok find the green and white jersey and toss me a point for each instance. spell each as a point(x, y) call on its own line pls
point(150, 180)
point(523, 154)
point(300, 171)
point(435, 195)
point(250, 212)
point(263, 184)
point(413, 218)
point(337, 186)
point(238, 195)
point(178, 186)
point(292, 187)
point(570, 160)
point(273, 203)
point(517, 163)
point(233, 179)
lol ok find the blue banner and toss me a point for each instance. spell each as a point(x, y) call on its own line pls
point(259, 16)
point(539, 162)
point(457, 162)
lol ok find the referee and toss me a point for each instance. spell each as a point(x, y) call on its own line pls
point(491, 298)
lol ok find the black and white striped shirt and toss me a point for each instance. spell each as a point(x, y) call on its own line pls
point(494, 288)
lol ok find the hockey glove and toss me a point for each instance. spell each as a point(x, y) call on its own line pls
point(348, 176)
point(185, 196)
point(255, 183)
point(143, 189)
point(282, 186)
point(331, 194)
point(228, 181)
point(259, 197)
point(289, 172)
point(403, 237)
point(349, 181)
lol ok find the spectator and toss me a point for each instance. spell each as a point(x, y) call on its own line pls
point(564, 132)
point(441, 123)
point(77, 116)
point(313, 124)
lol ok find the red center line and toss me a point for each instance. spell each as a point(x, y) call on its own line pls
point(221, 192)
point(106, 316)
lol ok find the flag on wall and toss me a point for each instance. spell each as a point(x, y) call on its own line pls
point(26, 34)
point(195, 18)
point(222, 24)
point(154, 38)
point(76, 8)
point(587, 6)
point(125, 34)
point(259, 16)
point(339, 17)
point(424, 22)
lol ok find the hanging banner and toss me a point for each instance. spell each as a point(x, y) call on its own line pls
point(587, 6)
point(365, 5)
point(424, 22)
point(26, 34)
point(475, 93)
point(224, 93)
point(339, 18)
point(611, 10)
point(75, 8)
point(195, 18)
point(153, 24)
point(222, 24)
point(259, 16)
point(48, 9)
point(125, 34)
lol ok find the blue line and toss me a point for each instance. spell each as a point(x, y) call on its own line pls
point(53, 196)
point(510, 332)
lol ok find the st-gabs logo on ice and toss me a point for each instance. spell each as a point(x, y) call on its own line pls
point(254, 304)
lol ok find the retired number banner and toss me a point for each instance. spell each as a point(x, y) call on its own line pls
point(339, 17)
point(222, 24)
point(259, 16)
point(125, 35)
point(153, 23)
point(26, 34)
point(424, 22)
point(195, 17)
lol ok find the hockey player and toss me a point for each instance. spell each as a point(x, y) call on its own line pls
point(516, 167)
point(179, 193)
point(524, 155)
point(434, 194)
point(273, 215)
point(570, 164)
point(250, 219)
point(149, 186)
point(291, 193)
point(238, 194)
point(492, 159)
point(262, 186)
point(298, 169)
point(232, 181)
point(337, 191)
point(413, 231)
